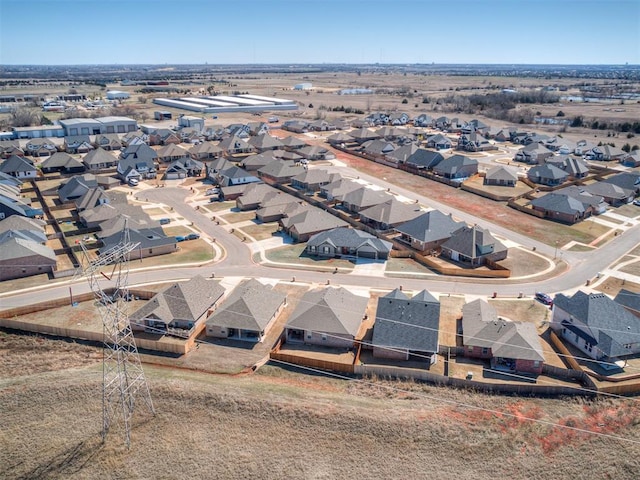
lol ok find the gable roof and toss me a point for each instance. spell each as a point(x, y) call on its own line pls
point(500, 172)
point(61, 160)
point(329, 310)
point(430, 226)
point(281, 169)
point(350, 238)
point(547, 171)
point(609, 326)
point(391, 212)
point(14, 248)
point(473, 242)
point(407, 323)
point(99, 156)
point(626, 298)
point(15, 164)
point(481, 327)
point(186, 301)
point(172, 150)
point(365, 197)
point(312, 220)
point(250, 306)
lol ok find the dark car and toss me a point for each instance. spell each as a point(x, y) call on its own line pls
point(544, 298)
point(193, 236)
point(164, 221)
point(180, 238)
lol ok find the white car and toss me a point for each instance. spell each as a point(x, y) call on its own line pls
point(133, 182)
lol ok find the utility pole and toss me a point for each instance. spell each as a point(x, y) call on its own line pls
point(123, 380)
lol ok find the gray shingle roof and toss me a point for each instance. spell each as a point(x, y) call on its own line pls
point(626, 298)
point(312, 220)
point(350, 238)
point(609, 325)
point(473, 242)
point(186, 301)
point(250, 306)
point(482, 327)
point(365, 197)
point(501, 172)
point(392, 212)
point(407, 323)
point(14, 248)
point(430, 226)
point(15, 164)
point(329, 310)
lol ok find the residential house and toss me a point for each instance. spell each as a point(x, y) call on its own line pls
point(457, 167)
point(78, 144)
point(631, 159)
point(133, 138)
point(626, 180)
point(281, 171)
point(258, 128)
point(164, 136)
point(205, 151)
point(265, 142)
point(276, 208)
point(99, 159)
point(77, 186)
point(348, 242)
point(473, 245)
point(329, 317)
point(599, 327)
point(423, 120)
point(256, 162)
point(20, 257)
point(377, 118)
point(170, 153)
point(216, 166)
point(628, 299)
point(389, 214)
point(339, 139)
point(533, 154)
point(140, 152)
point(292, 143)
point(255, 194)
point(108, 141)
point(150, 242)
point(362, 135)
point(296, 126)
point(97, 196)
point(15, 205)
point(510, 346)
point(95, 216)
point(605, 153)
point(406, 328)
point(236, 176)
point(575, 167)
point(40, 147)
point(402, 153)
point(18, 167)
point(423, 159)
point(439, 142)
point(9, 148)
point(398, 118)
point(27, 228)
point(182, 306)
point(136, 168)
point(427, 232)
point(312, 180)
point(474, 142)
point(338, 188)
point(568, 205)
point(356, 200)
point(315, 152)
point(183, 168)
point(248, 313)
point(239, 130)
point(501, 176)
point(611, 193)
point(235, 146)
point(62, 162)
point(377, 149)
point(300, 226)
point(547, 174)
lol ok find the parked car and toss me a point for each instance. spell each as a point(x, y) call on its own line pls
point(180, 238)
point(544, 298)
point(273, 120)
point(212, 191)
point(637, 202)
point(164, 221)
point(193, 236)
point(133, 182)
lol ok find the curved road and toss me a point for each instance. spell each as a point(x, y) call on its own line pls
point(238, 262)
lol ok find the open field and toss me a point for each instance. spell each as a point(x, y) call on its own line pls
point(281, 424)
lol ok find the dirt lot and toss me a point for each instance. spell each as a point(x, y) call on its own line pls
point(221, 426)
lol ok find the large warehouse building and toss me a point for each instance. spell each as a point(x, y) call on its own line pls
point(224, 103)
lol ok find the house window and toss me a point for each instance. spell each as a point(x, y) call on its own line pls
point(470, 348)
point(309, 335)
point(536, 363)
point(485, 350)
point(324, 337)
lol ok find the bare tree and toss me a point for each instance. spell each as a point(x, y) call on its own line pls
point(25, 117)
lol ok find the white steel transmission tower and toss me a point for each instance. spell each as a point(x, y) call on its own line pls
point(123, 379)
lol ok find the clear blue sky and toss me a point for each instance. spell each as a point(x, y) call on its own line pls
point(309, 31)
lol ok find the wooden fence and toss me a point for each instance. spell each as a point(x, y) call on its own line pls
point(312, 362)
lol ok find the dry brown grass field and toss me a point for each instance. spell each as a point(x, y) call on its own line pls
point(281, 424)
